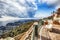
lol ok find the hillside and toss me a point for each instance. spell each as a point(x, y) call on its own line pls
point(18, 30)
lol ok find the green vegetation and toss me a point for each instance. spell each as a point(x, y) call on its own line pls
point(19, 29)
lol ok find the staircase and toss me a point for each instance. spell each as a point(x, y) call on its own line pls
point(55, 33)
point(51, 35)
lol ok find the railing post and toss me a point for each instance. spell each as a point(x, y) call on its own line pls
point(33, 34)
point(41, 22)
point(35, 31)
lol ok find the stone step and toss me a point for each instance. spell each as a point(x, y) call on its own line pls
point(57, 31)
point(45, 38)
point(54, 36)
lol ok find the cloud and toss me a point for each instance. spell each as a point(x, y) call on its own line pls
point(55, 3)
point(19, 8)
point(48, 1)
point(8, 19)
point(41, 14)
point(58, 6)
point(14, 10)
point(47, 6)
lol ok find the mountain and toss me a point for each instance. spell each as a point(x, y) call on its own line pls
point(19, 22)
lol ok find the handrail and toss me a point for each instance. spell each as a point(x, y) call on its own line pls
point(27, 33)
point(24, 35)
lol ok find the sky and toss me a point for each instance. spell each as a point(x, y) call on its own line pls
point(27, 8)
point(46, 7)
point(14, 10)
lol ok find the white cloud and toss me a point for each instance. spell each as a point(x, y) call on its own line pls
point(58, 6)
point(15, 4)
point(55, 3)
point(20, 6)
point(48, 1)
point(16, 8)
point(41, 14)
point(9, 18)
